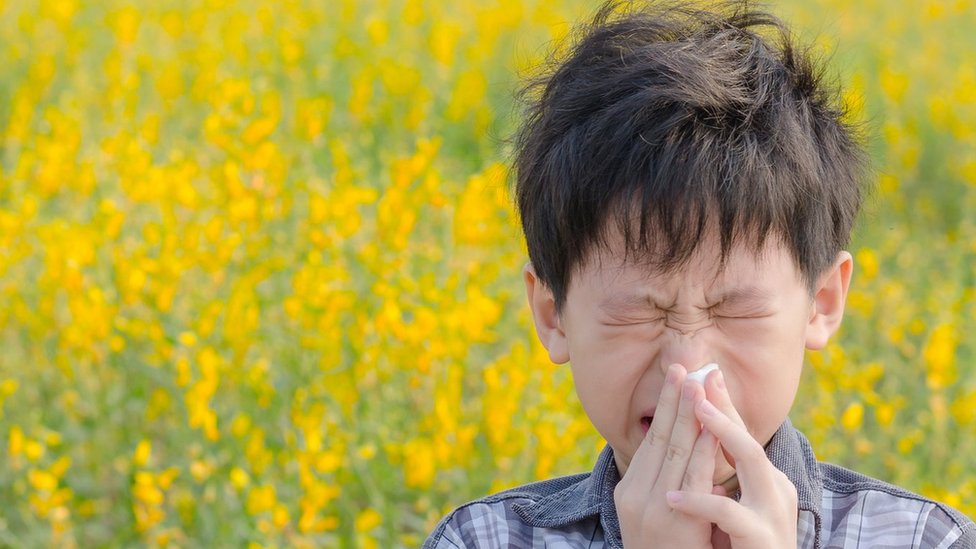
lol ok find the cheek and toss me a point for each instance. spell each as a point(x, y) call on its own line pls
point(763, 392)
point(764, 408)
point(608, 379)
point(602, 384)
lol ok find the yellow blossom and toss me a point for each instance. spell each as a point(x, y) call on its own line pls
point(853, 416)
point(143, 452)
point(939, 355)
point(261, 499)
point(368, 519)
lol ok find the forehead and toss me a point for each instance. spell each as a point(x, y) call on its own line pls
point(768, 270)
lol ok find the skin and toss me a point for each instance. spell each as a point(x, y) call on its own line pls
point(631, 336)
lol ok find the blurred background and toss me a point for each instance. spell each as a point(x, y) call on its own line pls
point(260, 277)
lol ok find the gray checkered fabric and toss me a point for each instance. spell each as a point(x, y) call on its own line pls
point(838, 508)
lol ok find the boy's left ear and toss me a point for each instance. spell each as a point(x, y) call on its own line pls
point(828, 301)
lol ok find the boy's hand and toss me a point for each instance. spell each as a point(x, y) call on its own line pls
point(675, 454)
point(765, 515)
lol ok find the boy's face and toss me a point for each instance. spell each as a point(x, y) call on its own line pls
point(623, 325)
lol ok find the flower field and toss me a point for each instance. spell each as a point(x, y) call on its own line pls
point(260, 273)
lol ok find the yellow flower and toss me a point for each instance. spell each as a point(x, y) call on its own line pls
point(33, 450)
point(239, 478)
point(419, 465)
point(885, 414)
point(469, 93)
point(280, 517)
point(367, 519)
point(125, 23)
point(867, 260)
point(964, 409)
point(42, 480)
point(940, 355)
point(852, 417)
point(366, 452)
point(894, 84)
point(261, 499)
point(15, 442)
point(142, 453)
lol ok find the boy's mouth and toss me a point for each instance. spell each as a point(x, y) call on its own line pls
point(646, 423)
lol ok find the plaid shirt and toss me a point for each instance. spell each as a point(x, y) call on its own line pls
point(838, 508)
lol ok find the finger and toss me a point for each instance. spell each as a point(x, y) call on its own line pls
point(701, 466)
point(686, 431)
point(753, 468)
point(730, 516)
point(717, 393)
point(646, 463)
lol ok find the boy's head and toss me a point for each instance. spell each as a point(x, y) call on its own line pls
point(686, 186)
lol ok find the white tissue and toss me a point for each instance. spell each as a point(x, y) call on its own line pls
point(700, 374)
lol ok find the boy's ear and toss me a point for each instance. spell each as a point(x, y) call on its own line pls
point(548, 325)
point(828, 301)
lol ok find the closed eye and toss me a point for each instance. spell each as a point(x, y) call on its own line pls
point(740, 315)
point(630, 321)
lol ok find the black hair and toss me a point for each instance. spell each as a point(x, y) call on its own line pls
point(687, 119)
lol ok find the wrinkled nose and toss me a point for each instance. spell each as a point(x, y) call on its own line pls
point(686, 344)
point(688, 324)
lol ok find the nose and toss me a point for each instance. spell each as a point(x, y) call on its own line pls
point(687, 324)
point(689, 348)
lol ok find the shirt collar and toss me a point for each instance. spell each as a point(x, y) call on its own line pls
point(578, 501)
point(788, 450)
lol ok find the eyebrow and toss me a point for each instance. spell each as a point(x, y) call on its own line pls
point(735, 296)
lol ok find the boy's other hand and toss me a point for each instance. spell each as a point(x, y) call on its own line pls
point(674, 455)
point(765, 516)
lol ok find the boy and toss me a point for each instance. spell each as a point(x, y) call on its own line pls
point(686, 189)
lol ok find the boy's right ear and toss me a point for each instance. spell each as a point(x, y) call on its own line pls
point(548, 325)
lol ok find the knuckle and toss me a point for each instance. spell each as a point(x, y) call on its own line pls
point(675, 452)
point(683, 420)
point(785, 488)
point(630, 507)
point(653, 434)
point(620, 491)
point(626, 500)
point(694, 475)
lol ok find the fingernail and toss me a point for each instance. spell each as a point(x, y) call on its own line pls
point(674, 496)
point(707, 408)
point(689, 390)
